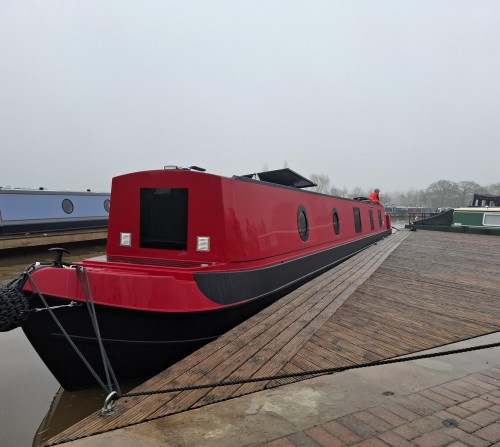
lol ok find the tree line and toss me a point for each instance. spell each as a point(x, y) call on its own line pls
point(440, 194)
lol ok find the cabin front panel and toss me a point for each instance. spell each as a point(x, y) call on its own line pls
point(167, 215)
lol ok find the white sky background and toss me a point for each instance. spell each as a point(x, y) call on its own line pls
point(392, 94)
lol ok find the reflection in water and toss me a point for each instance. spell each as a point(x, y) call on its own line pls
point(66, 409)
point(26, 385)
point(69, 407)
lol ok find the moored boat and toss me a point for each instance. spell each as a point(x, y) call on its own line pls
point(189, 256)
point(483, 213)
point(482, 217)
point(41, 211)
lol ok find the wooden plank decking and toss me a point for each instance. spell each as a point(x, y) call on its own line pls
point(411, 291)
point(10, 242)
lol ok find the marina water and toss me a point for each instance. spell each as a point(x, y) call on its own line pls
point(30, 397)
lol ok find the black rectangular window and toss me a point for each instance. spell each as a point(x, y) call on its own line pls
point(164, 218)
point(357, 220)
point(372, 224)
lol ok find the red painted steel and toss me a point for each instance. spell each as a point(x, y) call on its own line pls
point(250, 224)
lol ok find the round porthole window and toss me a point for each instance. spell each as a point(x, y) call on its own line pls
point(67, 206)
point(336, 223)
point(303, 223)
point(106, 205)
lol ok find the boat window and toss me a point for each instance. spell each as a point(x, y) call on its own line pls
point(303, 223)
point(380, 218)
point(372, 225)
point(67, 206)
point(492, 220)
point(106, 205)
point(336, 223)
point(357, 220)
point(164, 218)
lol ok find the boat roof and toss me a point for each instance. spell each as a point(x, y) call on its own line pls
point(28, 191)
point(486, 200)
point(284, 176)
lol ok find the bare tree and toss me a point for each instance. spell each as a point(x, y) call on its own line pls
point(444, 193)
point(467, 190)
point(339, 192)
point(492, 189)
point(387, 197)
point(357, 192)
point(322, 183)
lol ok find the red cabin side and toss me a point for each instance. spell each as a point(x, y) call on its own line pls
point(264, 220)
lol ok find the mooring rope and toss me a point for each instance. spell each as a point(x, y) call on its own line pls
point(315, 372)
point(108, 369)
point(63, 331)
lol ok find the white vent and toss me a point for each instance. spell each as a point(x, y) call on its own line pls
point(203, 243)
point(126, 239)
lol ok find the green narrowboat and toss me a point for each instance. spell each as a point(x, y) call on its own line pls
point(482, 217)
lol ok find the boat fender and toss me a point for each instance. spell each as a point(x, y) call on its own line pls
point(14, 308)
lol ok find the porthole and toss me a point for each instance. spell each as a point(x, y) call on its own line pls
point(336, 223)
point(106, 205)
point(303, 223)
point(67, 206)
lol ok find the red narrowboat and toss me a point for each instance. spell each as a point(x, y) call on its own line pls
point(189, 256)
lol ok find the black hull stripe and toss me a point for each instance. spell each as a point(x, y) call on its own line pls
point(51, 225)
point(228, 288)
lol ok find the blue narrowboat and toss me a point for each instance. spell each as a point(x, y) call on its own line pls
point(39, 211)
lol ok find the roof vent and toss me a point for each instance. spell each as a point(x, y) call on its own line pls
point(180, 168)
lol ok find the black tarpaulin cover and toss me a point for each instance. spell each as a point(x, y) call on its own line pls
point(444, 219)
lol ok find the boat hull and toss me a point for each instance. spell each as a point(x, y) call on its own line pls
point(139, 344)
point(142, 343)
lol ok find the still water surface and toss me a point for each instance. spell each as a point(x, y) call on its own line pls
point(27, 388)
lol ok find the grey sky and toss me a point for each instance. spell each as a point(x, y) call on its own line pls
point(395, 94)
